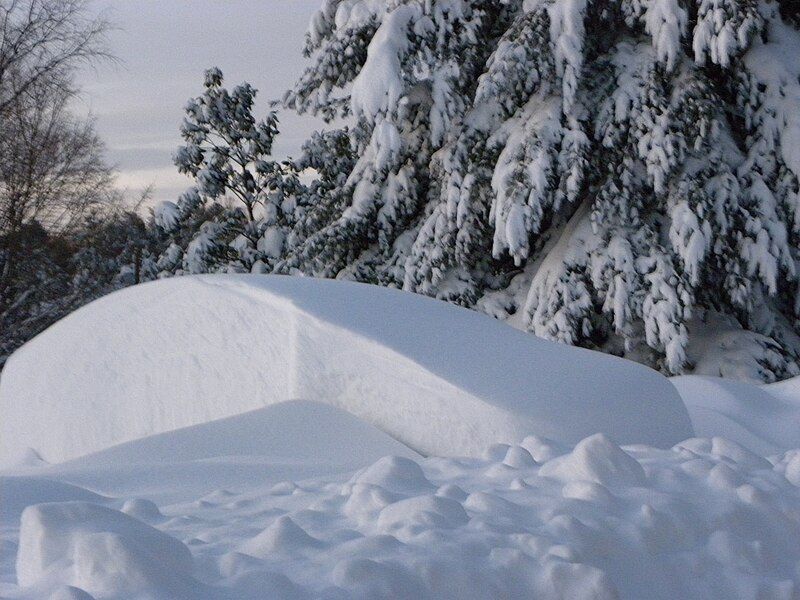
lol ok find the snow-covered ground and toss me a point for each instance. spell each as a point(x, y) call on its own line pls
point(706, 519)
point(206, 479)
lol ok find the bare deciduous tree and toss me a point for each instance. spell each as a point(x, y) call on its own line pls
point(44, 41)
point(51, 163)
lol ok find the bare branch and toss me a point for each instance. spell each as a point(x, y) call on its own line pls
point(46, 40)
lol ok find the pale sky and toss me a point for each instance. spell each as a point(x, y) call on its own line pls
point(164, 46)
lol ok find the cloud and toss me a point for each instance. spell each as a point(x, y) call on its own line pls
point(166, 182)
point(164, 47)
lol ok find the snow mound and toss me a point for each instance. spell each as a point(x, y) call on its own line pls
point(142, 509)
point(441, 379)
point(763, 418)
point(406, 518)
point(283, 535)
point(599, 460)
point(99, 550)
point(396, 474)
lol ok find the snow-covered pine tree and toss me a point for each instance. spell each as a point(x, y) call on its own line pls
point(227, 151)
point(410, 70)
point(621, 174)
point(331, 157)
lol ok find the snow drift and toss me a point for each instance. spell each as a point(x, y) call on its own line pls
point(441, 379)
point(763, 418)
point(291, 440)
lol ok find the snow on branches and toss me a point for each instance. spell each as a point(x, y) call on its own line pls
point(611, 174)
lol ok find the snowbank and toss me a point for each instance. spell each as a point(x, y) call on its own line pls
point(763, 418)
point(441, 379)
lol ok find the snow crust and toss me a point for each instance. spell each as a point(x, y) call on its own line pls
point(441, 379)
